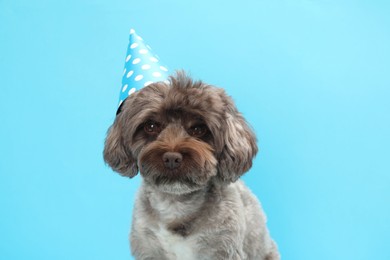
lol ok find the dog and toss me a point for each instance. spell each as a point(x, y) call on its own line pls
point(190, 145)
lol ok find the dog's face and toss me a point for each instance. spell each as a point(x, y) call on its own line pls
point(179, 136)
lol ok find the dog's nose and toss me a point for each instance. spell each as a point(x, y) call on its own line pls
point(172, 160)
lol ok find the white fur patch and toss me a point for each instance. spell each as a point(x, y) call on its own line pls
point(176, 247)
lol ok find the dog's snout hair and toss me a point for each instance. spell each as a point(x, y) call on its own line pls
point(190, 145)
point(173, 133)
point(197, 161)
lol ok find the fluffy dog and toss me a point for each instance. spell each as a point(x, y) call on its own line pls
point(190, 145)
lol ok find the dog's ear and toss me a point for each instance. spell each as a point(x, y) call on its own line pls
point(116, 154)
point(238, 143)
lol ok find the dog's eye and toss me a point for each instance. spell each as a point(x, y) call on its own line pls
point(152, 128)
point(198, 131)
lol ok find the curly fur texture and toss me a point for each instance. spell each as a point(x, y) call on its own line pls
point(190, 145)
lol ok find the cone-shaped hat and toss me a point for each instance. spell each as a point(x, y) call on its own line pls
point(142, 67)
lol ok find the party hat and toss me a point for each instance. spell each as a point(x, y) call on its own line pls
point(142, 67)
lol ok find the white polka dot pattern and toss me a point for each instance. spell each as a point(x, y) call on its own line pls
point(142, 67)
point(147, 83)
point(129, 74)
point(146, 67)
point(134, 45)
point(139, 77)
point(136, 61)
point(156, 74)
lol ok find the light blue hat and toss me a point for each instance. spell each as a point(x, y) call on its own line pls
point(142, 67)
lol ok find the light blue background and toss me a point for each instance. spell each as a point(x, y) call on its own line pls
point(312, 77)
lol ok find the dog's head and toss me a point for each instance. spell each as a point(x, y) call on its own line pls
point(180, 136)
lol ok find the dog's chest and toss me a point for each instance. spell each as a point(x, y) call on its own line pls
point(174, 243)
point(176, 246)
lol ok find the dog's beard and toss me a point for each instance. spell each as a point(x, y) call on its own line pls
point(197, 167)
